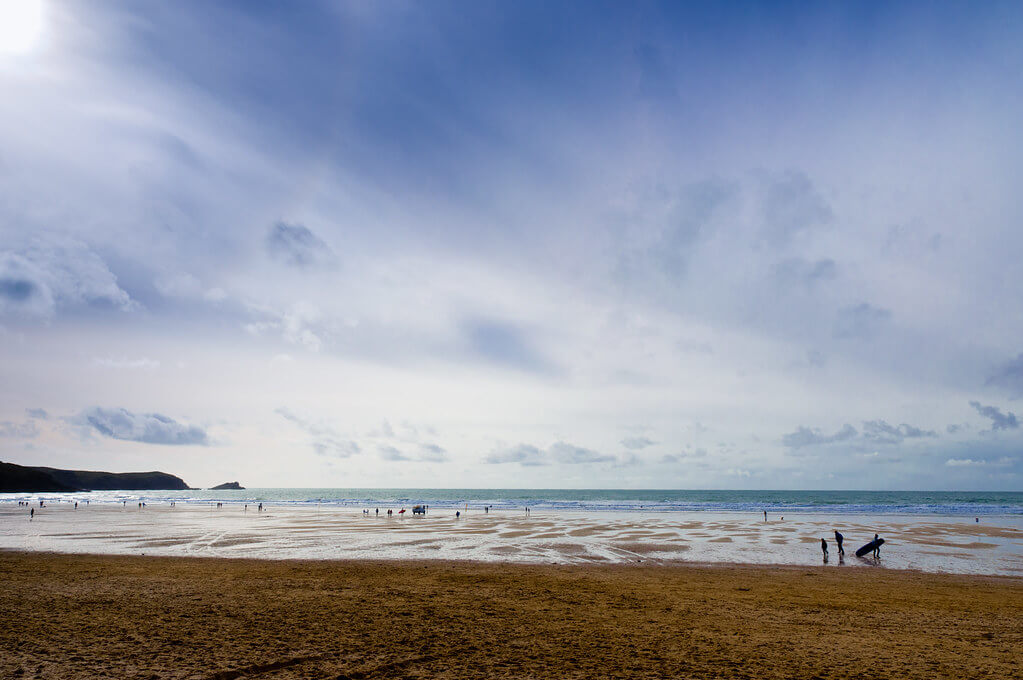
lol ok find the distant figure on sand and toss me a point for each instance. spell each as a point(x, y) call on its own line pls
point(457, 514)
point(838, 539)
point(31, 513)
point(877, 548)
point(765, 515)
point(824, 549)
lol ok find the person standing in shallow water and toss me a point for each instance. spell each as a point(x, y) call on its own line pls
point(765, 515)
point(824, 549)
point(838, 539)
point(877, 548)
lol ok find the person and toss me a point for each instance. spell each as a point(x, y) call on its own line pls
point(457, 514)
point(765, 515)
point(76, 505)
point(31, 513)
point(824, 549)
point(378, 511)
point(838, 539)
point(877, 548)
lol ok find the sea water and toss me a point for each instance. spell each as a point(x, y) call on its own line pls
point(963, 503)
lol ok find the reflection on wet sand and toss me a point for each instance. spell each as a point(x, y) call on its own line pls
point(929, 543)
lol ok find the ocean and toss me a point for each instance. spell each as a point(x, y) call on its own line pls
point(952, 503)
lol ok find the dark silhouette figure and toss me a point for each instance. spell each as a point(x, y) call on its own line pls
point(838, 539)
point(31, 513)
point(824, 549)
point(765, 515)
point(877, 549)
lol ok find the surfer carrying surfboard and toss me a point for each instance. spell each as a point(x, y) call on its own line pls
point(877, 547)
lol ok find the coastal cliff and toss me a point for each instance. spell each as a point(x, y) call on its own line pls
point(228, 485)
point(20, 478)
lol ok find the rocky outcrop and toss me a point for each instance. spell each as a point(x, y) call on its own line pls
point(227, 485)
point(15, 478)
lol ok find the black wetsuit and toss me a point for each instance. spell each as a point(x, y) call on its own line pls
point(838, 539)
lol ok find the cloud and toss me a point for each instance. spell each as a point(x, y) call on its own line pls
point(1004, 461)
point(38, 413)
point(805, 436)
point(879, 431)
point(26, 430)
point(1009, 377)
point(690, 219)
point(999, 420)
point(524, 454)
point(637, 443)
point(558, 452)
point(860, 321)
point(688, 455)
point(432, 453)
point(295, 245)
point(391, 453)
point(54, 273)
point(427, 453)
point(569, 454)
point(505, 345)
point(326, 441)
point(335, 448)
point(798, 272)
point(149, 428)
point(791, 206)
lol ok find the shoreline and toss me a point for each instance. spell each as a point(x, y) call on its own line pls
point(190, 618)
point(925, 543)
point(472, 562)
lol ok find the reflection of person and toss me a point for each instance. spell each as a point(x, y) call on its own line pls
point(877, 548)
point(838, 539)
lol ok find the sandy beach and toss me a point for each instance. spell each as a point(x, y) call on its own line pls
point(81, 616)
point(932, 543)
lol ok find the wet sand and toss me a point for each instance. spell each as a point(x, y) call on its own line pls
point(927, 543)
point(81, 616)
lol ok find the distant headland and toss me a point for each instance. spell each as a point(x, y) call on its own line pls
point(19, 478)
point(227, 485)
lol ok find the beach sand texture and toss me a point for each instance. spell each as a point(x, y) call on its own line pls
point(81, 616)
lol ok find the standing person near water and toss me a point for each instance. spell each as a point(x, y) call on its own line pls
point(824, 549)
point(838, 539)
point(765, 515)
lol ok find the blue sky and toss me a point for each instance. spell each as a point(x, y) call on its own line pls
point(732, 245)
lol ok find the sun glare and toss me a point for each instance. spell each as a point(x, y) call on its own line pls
point(21, 22)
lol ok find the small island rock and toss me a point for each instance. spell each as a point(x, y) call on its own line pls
point(227, 485)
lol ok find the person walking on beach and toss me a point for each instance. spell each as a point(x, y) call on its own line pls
point(31, 513)
point(877, 548)
point(765, 515)
point(824, 549)
point(838, 539)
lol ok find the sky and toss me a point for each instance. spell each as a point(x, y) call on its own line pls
point(514, 244)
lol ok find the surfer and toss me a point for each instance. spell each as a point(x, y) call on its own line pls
point(877, 548)
point(838, 539)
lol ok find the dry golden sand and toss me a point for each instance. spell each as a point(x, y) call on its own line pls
point(70, 616)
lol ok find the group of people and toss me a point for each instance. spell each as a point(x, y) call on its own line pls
point(839, 539)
